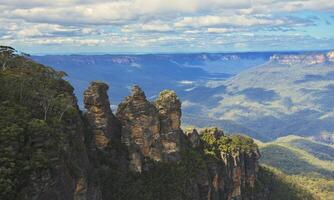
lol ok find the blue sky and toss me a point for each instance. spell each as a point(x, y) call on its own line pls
point(154, 26)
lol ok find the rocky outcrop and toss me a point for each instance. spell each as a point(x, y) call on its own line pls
point(194, 138)
point(151, 130)
point(140, 129)
point(103, 124)
point(303, 59)
point(229, 175)
point(169, 108)
point(242, 169)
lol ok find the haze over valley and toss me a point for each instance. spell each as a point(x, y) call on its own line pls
point(264, 95)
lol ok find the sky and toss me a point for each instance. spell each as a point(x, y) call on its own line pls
point(156, 26)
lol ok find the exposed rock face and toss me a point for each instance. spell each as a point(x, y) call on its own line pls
point(102, 122)
point(228, 177)
point(194, 139)
point(303, 59)
point(169, 107)
point(140, 129)
point(241, 169)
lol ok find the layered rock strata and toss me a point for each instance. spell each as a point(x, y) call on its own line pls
point(151, 130)
point(303, 59)
point(100, 118)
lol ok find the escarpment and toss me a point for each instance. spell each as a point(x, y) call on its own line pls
point(303, 59)
point(231, 164)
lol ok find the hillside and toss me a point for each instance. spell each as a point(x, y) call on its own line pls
point(289, 94)
point(306, 162)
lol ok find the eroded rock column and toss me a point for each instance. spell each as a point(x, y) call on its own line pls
point(169, 107)
point(101, 120)
point(140, 129)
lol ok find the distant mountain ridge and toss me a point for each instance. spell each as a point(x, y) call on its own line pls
point(265, 95)
point(304, 59)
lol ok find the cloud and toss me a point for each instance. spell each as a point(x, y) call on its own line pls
point(148, 27)
point(162, 24)
point(240, 20)
point(220, 30)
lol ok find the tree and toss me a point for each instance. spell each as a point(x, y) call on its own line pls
point(64, 103)
point(7, 54)
point(46, 97)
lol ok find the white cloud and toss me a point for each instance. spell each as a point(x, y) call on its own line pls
point(149, 27)
point(220, 30)
point(156, 23)
point(240, 20)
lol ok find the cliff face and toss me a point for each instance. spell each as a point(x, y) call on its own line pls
point(303, 59)
point(169, 108)
point(231, 174)
point(150, 130)
point(140, 129)
point(102, 122)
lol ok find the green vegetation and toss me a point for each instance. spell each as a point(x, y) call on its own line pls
point(280, 186)
point(163, 181)
point(215, 143)
point(171, 180)
point(304, 162)
point(36, 116)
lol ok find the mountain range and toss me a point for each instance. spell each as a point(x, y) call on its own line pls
point(265, 95)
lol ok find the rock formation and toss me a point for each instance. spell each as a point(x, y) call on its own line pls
point(194, 138)
point(169, 107)
point(151, 130)
point(140, 129)
point(101, 120)
point(227, 176)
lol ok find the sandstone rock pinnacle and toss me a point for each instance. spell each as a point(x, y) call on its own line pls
point(140, 128)
point(100, 118)
point(169, 107)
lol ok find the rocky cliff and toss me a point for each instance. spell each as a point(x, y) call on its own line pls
point(150, 130)
point(101, 121)
point(303, 59)
point(231, 164)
